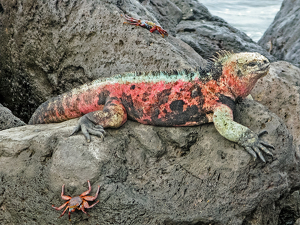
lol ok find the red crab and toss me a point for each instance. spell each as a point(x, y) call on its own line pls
point(77, 202)
point(147, 24)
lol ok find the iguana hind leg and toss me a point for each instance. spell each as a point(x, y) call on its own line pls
point(233, 131)
point(113, 115)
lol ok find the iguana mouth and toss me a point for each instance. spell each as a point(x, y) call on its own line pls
point(263, 70)
point(265, 66)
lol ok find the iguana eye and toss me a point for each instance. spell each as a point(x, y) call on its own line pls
point(252, 64)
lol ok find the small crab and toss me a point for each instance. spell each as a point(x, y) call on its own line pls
point(147, 24)
point(77, 202)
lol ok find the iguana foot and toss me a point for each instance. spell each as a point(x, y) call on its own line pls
point(253, 145)
point(88, 127)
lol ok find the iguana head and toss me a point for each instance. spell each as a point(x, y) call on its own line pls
point(248, 64)
point(240, 71)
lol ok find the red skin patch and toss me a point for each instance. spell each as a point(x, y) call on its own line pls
point(145, 97)
point(157, 103)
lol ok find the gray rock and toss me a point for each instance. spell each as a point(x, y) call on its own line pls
point(165, 12)
point(48, 48)
point(282, 38)
point(280, 92)
point(208, 34)
point(290, 211)
point(148, 175)
point(8, 120)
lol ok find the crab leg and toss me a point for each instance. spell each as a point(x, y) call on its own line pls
point(92, 198)
point(137, 24)
point(87, 206)
point(153, 29)
point(161, 31)
point(82, 209)
point(69, 214)
point(60, 207)
point(64, 197)
point(131, 19)
point(64, 212)
point(88, 191)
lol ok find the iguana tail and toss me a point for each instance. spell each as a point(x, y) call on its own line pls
point(67, 106)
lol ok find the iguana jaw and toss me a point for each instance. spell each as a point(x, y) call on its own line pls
point(262, 71)
point(242, 70)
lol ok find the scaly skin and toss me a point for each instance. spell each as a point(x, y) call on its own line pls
point(166, 98)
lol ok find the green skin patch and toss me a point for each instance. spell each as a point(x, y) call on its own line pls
point(166, 98)
point(223, 121)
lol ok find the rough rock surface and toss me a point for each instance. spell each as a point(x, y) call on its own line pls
point(50, 47)
point(290, 211)
point(208, 34)
point(8, 120)
point(280, 92)
point(282, 38)
point(148, 175)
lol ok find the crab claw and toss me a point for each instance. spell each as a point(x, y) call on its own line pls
point(160, 30)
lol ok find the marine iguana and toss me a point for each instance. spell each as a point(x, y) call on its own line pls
point(166, 98)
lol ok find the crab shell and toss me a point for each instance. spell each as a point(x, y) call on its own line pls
point(75, 203)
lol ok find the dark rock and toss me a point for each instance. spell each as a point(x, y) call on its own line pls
point(48, 48)
point(8, 120)
point(290, 211)
point(208, 34)
point(148, 175)
point(167, 14)
point(282, 38)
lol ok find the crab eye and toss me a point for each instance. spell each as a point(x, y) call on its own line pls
point(252, 64)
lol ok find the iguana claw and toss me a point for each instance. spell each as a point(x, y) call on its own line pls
point(253, 145)
point(88, 127)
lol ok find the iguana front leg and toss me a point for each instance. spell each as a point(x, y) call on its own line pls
point(113, 115)
point(233, 131)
